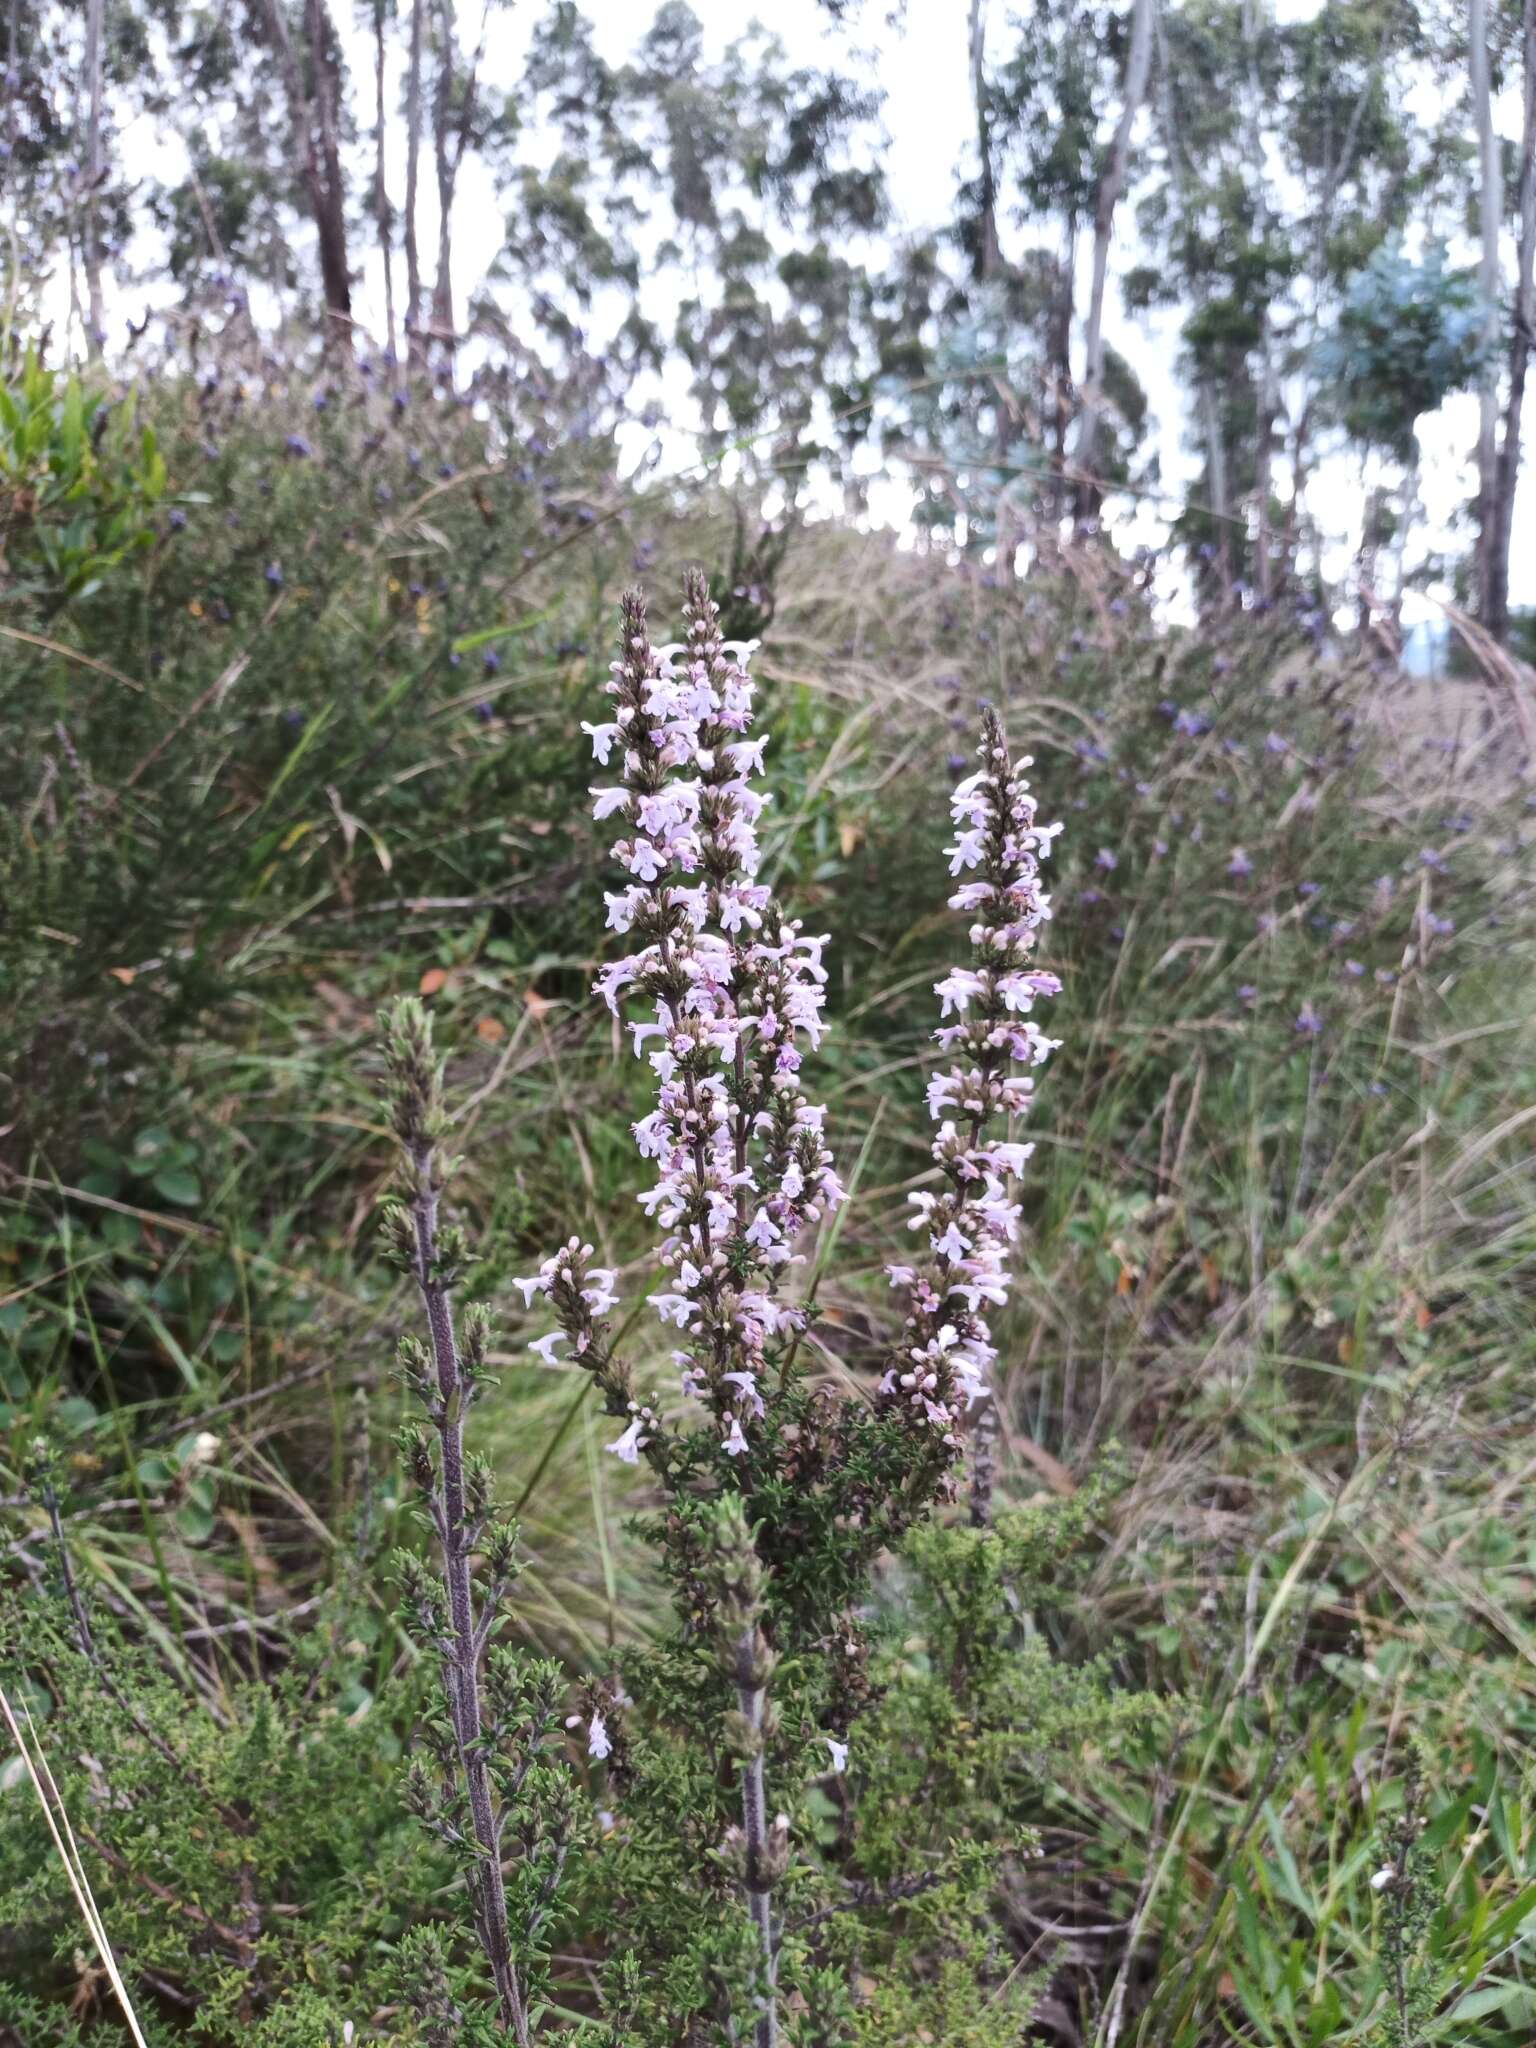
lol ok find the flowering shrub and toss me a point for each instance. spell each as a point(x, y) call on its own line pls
point(743, 1890)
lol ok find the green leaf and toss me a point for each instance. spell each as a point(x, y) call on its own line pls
point(194, 1522)
point(178, 1184)
point(1477, 2005)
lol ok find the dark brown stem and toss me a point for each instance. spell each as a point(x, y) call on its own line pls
point(462, 1662)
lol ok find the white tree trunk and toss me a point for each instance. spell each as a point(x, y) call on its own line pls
point(1490, 213)
point(1138, 69)
point(95, 172)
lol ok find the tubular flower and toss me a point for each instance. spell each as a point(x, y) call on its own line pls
point(966, 1229)
point(734, 991)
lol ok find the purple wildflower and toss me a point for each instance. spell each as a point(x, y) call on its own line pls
point(734, 990)
point(946, 1347)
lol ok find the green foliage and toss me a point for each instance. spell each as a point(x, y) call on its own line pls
point(956, 1717)
point(247, 1851)
point(79, 484)
point(204, 778)
point(1408, 334)
point(1287, 1266)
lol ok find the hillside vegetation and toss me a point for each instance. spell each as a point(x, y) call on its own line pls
point(293, 681)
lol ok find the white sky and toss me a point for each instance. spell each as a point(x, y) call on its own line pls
point(922, 69)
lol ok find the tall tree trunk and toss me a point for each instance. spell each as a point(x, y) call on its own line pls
point(313, 121)
point(95, 174)
point(1138, 68)
point(331, 216)
point(1519, 347)
point(1216, 467)
point(987, 265)
point(412, 180)
point(13, 68)
point(1268, 395)
point(988, 256)
point(1210, 414)
point(453, 116)
point(1058, 363)
point(446, 166)
point(1490, 213)
point(381, 204)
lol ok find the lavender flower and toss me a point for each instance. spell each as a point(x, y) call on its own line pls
point(946, 1347)
point(734, 990)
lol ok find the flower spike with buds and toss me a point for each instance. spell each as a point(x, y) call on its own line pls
point(734, 991)
point(967, 1228)
point(490, 1778)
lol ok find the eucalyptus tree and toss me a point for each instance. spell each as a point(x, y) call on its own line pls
point(1055, 93)
point(379, 17)
point(1522, 334)
point(231, 217)
point(76, 74)
point(1112, 183)
point(306, 51)
point(1216, 251)
point(1290, 152)
point(1408, 333)
point(1490, 216)
point(720, 211)
point(1038, 145)
point(1360, 167)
